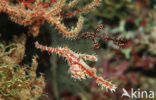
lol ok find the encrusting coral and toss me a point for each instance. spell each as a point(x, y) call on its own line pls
point(78, 68)
point(18, 82)
point(33, 13)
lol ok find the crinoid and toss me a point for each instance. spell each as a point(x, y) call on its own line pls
point(33, 13)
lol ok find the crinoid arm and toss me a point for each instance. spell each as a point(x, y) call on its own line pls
point(33, 13)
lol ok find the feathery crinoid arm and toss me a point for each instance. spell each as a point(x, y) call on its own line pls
point(71, 4)
point(33, 13)
point(73, 32)
point(85, 9)
point(78, 67)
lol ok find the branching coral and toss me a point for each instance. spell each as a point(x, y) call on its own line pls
point(35, 12)
point(16, 81)
point(78, 68)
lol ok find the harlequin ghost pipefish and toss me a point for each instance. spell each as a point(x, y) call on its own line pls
point(78, 68)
